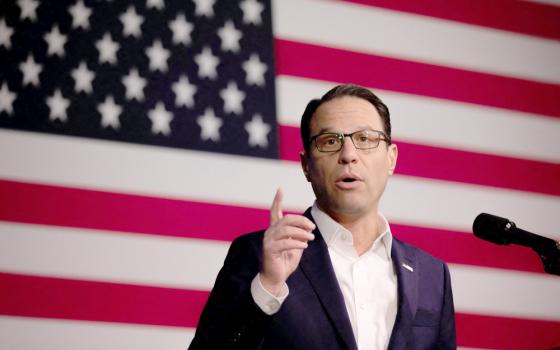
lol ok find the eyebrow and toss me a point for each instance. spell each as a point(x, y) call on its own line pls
point(330, 130)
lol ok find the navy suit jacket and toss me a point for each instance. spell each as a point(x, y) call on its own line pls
point(314, 316)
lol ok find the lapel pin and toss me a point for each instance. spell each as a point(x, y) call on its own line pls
point(408, 267)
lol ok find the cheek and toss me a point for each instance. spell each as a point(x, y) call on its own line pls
point(318, 173)
point(315, 172)
point(378, 170)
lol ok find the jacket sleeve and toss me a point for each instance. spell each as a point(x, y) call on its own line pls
point(447, 336)
point(231, 319)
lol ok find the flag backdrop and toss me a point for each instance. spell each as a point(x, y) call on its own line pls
point(138, 138)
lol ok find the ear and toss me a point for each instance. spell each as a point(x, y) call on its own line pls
point(392, 155)
point(304, 164)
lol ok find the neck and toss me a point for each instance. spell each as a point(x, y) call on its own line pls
point(365, 228)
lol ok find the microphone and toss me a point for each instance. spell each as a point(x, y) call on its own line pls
point(502, 231)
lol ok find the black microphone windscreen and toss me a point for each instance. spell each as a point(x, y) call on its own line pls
point(492, 228)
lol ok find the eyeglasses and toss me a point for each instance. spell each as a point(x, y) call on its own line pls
point(362, 139)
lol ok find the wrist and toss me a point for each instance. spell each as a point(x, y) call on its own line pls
point(273, 287)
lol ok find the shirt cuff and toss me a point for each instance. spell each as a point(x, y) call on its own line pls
point(267, 302)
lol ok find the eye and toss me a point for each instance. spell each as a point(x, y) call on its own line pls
point(363, 138)
point(328, 139)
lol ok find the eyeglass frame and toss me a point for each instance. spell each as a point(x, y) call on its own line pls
point(342, 136)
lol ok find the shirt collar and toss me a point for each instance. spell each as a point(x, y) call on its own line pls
point(332, 230)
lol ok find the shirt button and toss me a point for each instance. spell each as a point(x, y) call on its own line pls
point(363, 306)
point(272, 306)
point(344, 237)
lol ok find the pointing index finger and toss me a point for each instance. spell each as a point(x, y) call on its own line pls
point(276, 208)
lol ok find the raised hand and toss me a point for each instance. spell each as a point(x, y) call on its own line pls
point(283, 244)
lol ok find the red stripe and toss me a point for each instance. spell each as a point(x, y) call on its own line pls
point(40, 204)
point(60, 206)
point(32, 296)
point(506, 333)
point(341, 66)
point(455, 165)
point(23, 295)
point(515, 16)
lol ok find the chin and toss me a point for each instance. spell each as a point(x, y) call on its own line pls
point(349, 206)
point(343, 202)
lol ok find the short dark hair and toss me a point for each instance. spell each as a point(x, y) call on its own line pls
point(340, 91)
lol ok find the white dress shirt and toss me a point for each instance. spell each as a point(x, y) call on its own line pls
point(368, 282)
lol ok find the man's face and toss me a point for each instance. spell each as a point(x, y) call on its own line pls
point(349, 182)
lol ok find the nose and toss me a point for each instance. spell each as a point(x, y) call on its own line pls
point(348, 152)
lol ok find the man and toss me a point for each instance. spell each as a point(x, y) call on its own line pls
point(334, 278)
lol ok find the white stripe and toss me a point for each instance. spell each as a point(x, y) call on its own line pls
point(202, 176)
point(103, 256)
point(21, 333)
point(488, 291)
point(110, 256)
point(419, 38)
point(425, 202)
point(441, 123)
point(547, 2)
point(61, 334)
point(161, 171)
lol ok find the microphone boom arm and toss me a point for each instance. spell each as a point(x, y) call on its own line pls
point(550, 257)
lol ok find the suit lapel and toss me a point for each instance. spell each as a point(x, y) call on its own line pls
point(407, 275)
point(317, 268)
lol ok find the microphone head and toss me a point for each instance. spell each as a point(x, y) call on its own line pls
point(492, 228)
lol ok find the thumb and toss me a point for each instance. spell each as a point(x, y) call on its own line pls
point(276, 208)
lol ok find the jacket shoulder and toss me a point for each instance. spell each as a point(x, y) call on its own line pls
point(248, 238)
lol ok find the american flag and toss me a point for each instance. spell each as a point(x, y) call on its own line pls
point(138, 138)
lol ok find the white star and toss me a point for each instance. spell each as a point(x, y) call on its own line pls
point(254, 70)
point(207, 63)
point(158, 56)
point(204, 8)
point(6, 99)
point(181, 30)
point(28, 9)
point(56, 41)
point(160, 118)
point(107, 49)
point(156, 4)
point(80, 15)
point(209, 125)
point(184, 92)
point(5, 34)
point(83, 78)
point(258, 132)
point(131, 23)
point(251, 11)
point(109, 113)
point(230, 37)
point(31, 71)
point(58, 105)
point(233, 98)
point(134, 84)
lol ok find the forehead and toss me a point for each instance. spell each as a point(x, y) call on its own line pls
point(345, 114)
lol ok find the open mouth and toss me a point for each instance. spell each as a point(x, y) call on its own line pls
point(348, 181)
